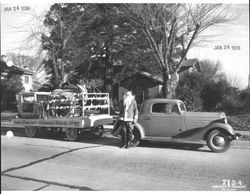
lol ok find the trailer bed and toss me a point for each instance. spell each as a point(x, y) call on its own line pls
point(69, 122)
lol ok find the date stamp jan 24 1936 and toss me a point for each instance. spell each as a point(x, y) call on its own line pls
point(16, 8)
point(227, 47)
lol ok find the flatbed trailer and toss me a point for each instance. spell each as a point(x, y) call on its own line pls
point(73, 114)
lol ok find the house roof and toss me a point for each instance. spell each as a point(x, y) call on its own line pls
point(145, 78)
point(14, 69)
point(185, 65)
point(155, 78)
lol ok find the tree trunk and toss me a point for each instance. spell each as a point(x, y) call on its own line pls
point(146, 93)
point(166, 91)
point(108, 81)
point(174, 83)
point(170, 82)
point(57, 84)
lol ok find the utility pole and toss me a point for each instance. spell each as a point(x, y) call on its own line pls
point(249, 80)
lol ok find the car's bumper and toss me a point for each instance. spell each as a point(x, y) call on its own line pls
point(236, 136)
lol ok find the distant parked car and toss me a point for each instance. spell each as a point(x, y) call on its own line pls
point(28, 104)
point(168, 120)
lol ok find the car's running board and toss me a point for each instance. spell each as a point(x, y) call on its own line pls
point(169, 139)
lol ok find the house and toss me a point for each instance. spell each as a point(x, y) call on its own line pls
point(147, 85)
point(25, 75)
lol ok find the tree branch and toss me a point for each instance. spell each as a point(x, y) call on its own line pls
point(197, 27)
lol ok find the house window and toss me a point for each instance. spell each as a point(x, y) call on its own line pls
point(26, 79)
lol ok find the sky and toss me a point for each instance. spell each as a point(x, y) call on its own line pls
point(230, 47)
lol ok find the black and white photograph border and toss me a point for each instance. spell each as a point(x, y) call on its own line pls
point(200, 60)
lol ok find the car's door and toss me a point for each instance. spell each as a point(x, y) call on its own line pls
point(162, 120)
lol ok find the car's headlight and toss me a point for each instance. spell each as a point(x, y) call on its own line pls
point(223, 118)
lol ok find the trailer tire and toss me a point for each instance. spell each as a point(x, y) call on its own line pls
point(30, 131)
point(71, 134)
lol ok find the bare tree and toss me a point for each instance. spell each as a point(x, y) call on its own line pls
point(233, 80)
point(30, 54)
point(39, 28)
point(59, 42)
point(171, 30)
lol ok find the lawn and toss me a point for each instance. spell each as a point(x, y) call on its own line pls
point(240, 122)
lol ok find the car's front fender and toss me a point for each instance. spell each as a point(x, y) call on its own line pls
point(198, 134)
point(220, 126)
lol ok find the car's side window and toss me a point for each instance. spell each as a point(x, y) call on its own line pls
point(158, 108)
point(165, 108)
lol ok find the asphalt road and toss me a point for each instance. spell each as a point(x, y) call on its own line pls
point(47, 163)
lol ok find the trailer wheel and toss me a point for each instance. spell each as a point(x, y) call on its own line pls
point(30, 131)
point(97, 132)
point(71, 134)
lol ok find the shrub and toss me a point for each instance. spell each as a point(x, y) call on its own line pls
point(10, 87)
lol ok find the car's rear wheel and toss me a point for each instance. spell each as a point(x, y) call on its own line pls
point(218, 141)
point(97, 131)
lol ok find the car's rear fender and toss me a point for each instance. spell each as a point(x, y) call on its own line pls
point(140, 129)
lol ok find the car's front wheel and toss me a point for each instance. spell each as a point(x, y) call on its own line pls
point(218, 141)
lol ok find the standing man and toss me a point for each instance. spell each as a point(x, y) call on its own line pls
point(128, 117)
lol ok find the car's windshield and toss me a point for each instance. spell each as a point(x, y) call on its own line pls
point(182, 106)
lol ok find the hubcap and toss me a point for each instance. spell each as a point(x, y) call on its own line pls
point(219, 141)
